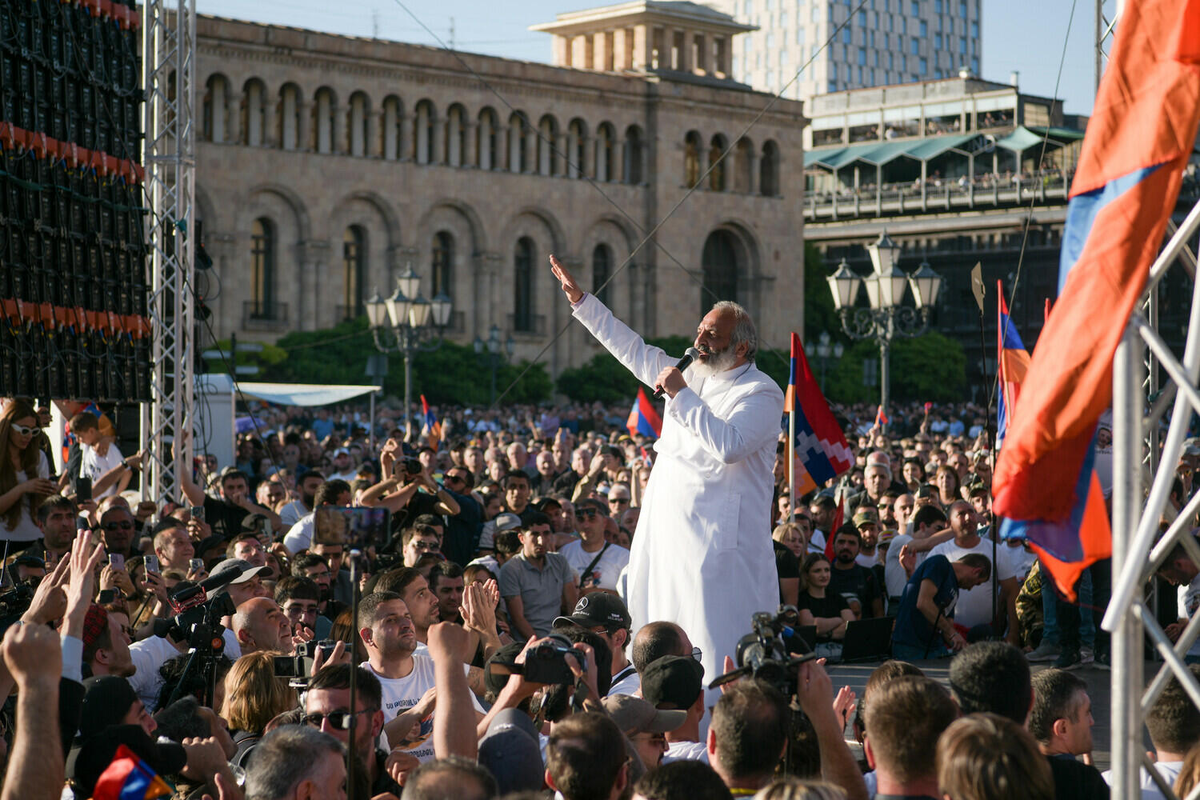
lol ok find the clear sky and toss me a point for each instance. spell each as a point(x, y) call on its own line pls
point(1022, 35)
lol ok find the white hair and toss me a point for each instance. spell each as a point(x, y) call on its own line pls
point(743, 327)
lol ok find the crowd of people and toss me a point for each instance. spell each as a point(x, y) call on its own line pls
point(482, 646)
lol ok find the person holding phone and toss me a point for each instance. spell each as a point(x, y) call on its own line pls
point(24, 473)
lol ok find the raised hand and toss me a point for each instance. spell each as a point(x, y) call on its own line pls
point(49, 601)
point(32, 653)
point(569, 286)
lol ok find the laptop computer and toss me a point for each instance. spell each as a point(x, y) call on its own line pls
point(868, 640)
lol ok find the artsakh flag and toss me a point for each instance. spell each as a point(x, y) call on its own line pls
point(1138, 142)
point(129, 778)
point(432, 428)
point(820, 450)
point(643, 418)
point(1013, 364)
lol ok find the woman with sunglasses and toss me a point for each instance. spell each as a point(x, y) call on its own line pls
point(24, 474)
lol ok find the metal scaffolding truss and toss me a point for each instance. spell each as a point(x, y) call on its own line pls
point(168, 76)
point(1137, 550)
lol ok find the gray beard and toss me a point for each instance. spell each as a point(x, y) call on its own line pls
point(717, 362)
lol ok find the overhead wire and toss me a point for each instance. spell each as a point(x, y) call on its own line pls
point(648, 236)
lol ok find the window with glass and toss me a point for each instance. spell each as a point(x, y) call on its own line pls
point(354, 267)
point(262, 269)
point(442, 267)
point(523, 285)
point(601, 271)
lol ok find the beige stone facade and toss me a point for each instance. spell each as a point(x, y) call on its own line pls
point(327, 164)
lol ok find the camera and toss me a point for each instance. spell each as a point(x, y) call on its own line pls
point(771, 652)
point(545, 662)
point(412, 466)
point(296, 668)
point(16, 602)
point(199, 624)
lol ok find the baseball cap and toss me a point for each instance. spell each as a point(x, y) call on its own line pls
point(209, 543)
point(599, 608)
point(246, 569)
point(673, 680)
point(977, 487)
point(634, 715)
point(865, 514)
point(341, 451)
point(511, 752)
point(507, 521)
point(106, 700)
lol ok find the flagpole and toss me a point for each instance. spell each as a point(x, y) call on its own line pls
point(791, 454)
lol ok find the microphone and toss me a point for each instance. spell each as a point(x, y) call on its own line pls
point(690, 355)
point(198, 592)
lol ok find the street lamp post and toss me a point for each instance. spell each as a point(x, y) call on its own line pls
point(407, 323)
point(886, 318)
point(824, 351)
point(492, 345)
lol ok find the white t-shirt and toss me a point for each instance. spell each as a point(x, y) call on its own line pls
point(1169, 770)
point(685, 751)
point(894, 576)
point(400, 694)
point(604, 575)
point(150, 654)
point(1188, 598)
point(629, 682)
point(816, 543)
point(1022, 560)
point(975, 605)
point(299, 536)
point(867, 560)
point(291, 513)
point(93, 465)
point(26, 530)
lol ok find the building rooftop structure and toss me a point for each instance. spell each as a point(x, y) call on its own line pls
point(646, 36)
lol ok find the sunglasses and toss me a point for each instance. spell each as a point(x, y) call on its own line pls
point(340, 720)
point(586, 512)
point(455, 478)
point(618, 500)
point(118, 526)
point(419, 545)
point(23, 430)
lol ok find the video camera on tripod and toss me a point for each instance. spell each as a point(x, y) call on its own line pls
point(772, 652)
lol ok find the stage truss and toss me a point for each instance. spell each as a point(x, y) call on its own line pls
point(168, 71)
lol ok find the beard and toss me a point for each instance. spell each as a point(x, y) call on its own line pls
point(714, 362)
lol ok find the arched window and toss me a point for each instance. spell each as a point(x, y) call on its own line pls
point(743, 165)
point(423, 132)
point(691, 159)
point(323, 110)
point(391, 128)
point(289, 117)
point(523, 285)
point(456, 136)
point(518, 153)
point(489, 140)
point(576, 143)
point(216, 99)
point(357, 121)
point(716, 178)
point(354, 271)
point(443, 264)
point(768, 182)
point(601, 271)
point(546, 143)
point(262, 269)
point(635, 171)
point(604, 152)
point(720, 262)
point(254, 113)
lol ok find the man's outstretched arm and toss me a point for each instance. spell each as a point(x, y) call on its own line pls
point(643, 360)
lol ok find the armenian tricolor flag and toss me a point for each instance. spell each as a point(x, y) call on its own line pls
point(643, 418)
point(432, 428)
point(817, 448)
point(1013, 364)
point(129, 778)
point(1138, 142)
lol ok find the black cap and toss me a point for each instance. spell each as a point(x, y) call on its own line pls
point(599, 608)
point(673, 681)
point(106, 701)
point(495, 681)
point(97, 752)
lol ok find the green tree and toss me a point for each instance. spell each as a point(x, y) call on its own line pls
point(603, 378)
point(929, 367)
point(451, 374)
point(819, 313)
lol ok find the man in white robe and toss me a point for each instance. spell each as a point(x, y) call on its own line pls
point(702, 555)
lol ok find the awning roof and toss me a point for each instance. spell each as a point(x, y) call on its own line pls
point(929, 147)
point(303, 394)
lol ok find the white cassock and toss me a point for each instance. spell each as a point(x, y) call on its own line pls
point(702, 555)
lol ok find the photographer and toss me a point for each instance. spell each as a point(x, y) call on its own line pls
point(407, 502)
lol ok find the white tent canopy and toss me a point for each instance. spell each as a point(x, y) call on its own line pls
point(303, 394)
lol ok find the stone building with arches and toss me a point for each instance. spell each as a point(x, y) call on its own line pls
point(327, 164)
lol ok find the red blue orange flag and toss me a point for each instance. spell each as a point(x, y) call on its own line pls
point(129, 778)
point(432, 428)
point(1014, 363)
point(1125, 188)
point(880, 418)
point(643, 418)
point(819, 449)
